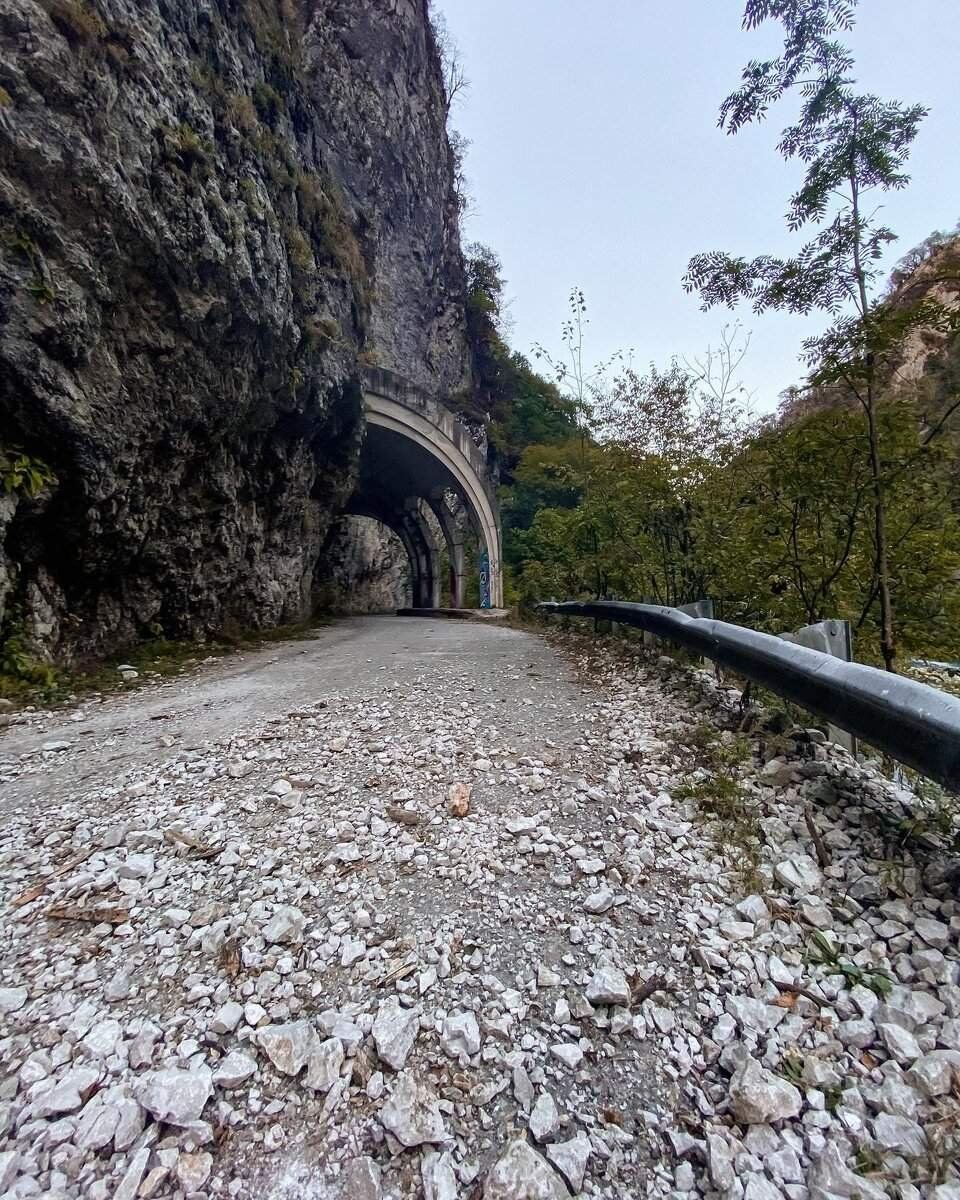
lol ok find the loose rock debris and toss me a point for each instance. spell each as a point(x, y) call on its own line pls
point(378, 947)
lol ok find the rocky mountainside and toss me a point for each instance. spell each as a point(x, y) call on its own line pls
point(212, 216)
point(935, 276)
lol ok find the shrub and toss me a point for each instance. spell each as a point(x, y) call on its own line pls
point(185, 148)
point(241, 111)
point(20, 473)
point(269, 103)
point(76, 20)
point(298, 249)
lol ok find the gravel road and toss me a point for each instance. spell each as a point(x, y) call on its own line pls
point(428, 910)
point(366, 656)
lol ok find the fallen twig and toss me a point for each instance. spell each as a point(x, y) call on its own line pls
point(823, 854)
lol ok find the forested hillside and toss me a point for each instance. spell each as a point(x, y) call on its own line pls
point(671, 491)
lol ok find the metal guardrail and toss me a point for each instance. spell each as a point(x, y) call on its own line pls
point(912, 722)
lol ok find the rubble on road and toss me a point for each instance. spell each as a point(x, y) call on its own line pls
point(385, 946)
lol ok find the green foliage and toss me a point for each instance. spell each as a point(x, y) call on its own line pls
point(823, 952)
point(22, 676)
point(268, 102)
point(40, 286)
point(298, 249)
point(520, 406)
point(850, 145)
point(21, 474)
point(6, 100)
point(324, 217)
point(184, 149)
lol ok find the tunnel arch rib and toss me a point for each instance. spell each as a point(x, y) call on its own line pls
point(417, 449)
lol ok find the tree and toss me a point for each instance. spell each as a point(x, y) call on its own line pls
point(851, 144)
point(518, 406)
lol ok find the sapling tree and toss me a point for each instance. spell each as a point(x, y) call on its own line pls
point(853, 145)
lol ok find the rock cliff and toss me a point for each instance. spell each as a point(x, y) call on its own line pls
point(213, 214)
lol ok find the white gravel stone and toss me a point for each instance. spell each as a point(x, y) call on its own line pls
point(571, 1158)
point(758, 1096)
point(900, 1043)
point(544, 1118)
point(599, 901)
point(520, 1173)
point(193, 1170)
point(395, 1030)
point(438, 1176)
point(568, 1053)
point(460, 1035)
point(12, 999)
point(412, 1113)
point(68, 1093)
point(227, 1017)
point(234, 1070)
point(323, 1066)
point(361, 1180)
point(9, 1169)
point(174, 1096)
point(608, 986)
point(289, 1047)
point(800, 873)
point(128, 1185)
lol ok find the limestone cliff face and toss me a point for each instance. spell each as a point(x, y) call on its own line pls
point(213, 213)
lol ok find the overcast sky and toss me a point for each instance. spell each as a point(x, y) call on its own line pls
point(596, 160)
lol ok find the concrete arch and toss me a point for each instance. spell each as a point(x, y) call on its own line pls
point(453, 540)
point(419, 450)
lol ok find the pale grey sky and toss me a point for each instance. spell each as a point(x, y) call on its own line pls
point(596, 160)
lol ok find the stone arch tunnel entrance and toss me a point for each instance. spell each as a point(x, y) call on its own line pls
point(424, 478)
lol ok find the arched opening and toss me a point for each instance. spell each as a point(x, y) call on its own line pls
point(368, 567)
point(425, 479)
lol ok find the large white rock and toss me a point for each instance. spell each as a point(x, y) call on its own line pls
point(9, 1169)
point(900, 1043)
point(829, 1177)
point(520, 1173)
point(412, 1112)
point(68, 1093)
point(97, 1125)
point(608, 986)
point(439, 1177)
point(234, 1070)
point(128, 1185)
point(227, 1017)
point(323, 1066)
point(395, 1030)
point(193, 1170)
point(289, 1047)
point(460, 1034)
point(932, 1073)
point(175, 1096)
point(103, 1039)
point(800, 873)
point(933, 932)
point(12, 999)
point(757, 1096)
point(360, 1180)
point(600, 900)
point(571, 1158)
point(285, 927)
point(569, 1053)
point(545, 1118)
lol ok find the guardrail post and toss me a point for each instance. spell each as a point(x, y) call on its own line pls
point(697, 608)
point(832, 637)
